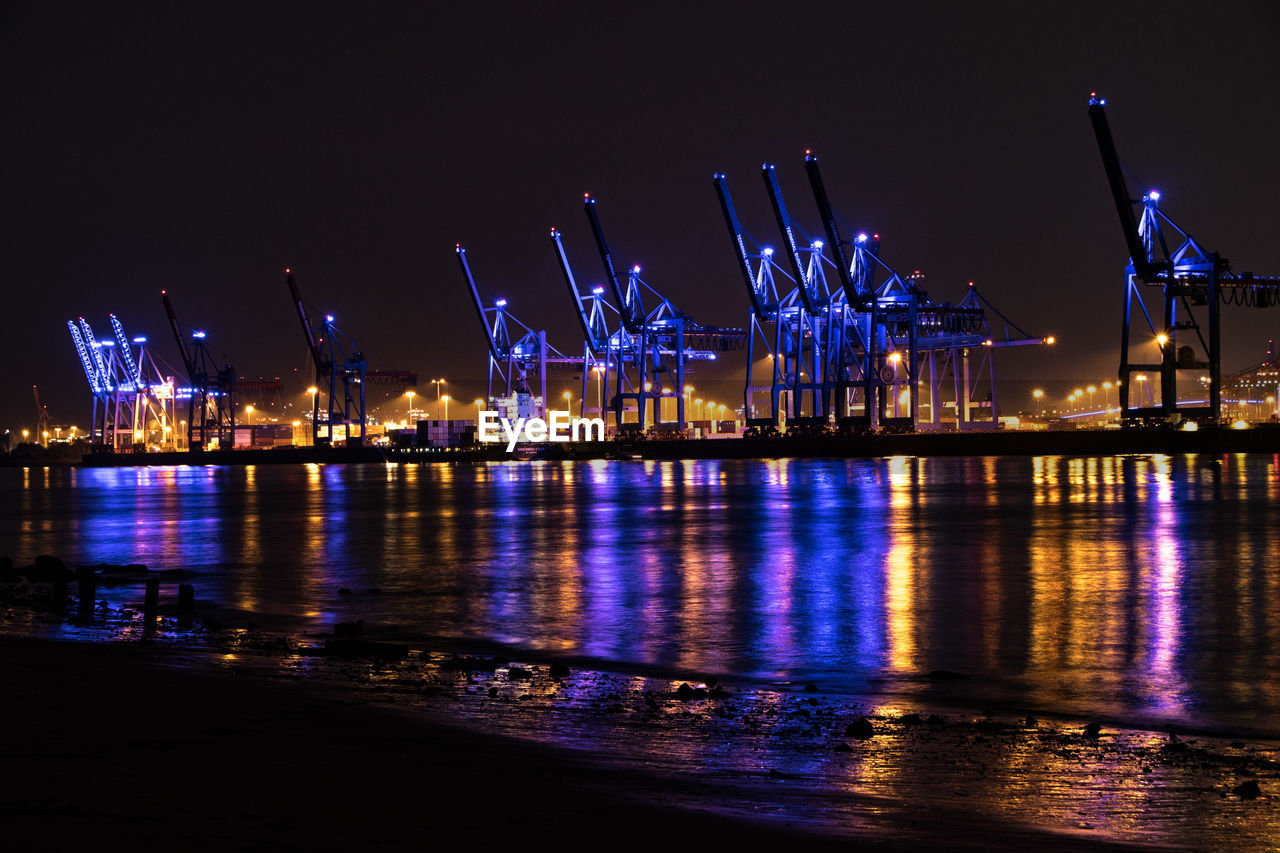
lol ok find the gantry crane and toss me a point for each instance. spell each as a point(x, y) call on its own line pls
point(860, 340)
point(660, 340)
point(214, 386)
point(603, 353)
point(514, 362)
point(337, 361)
point(1191, 281)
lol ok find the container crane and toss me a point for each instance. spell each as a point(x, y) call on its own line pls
point(42, 419)
point(1190, 281)
point(812, 359)
point(214, 387)
point(515, 363)
point(97, 382)
point(603, 353)
point(336, 360)
point(659, 338)
point(775, 321)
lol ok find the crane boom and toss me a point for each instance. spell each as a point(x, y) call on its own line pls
point(829, 225)
point(130, 364)
point(90, 372)
point(630, 306)
point(808, 293)
point(95, 349)
point(312, 346)
point(759, 307)
point(1119, 189)
point(596, 346)
point(494, 349)
point(177, 336)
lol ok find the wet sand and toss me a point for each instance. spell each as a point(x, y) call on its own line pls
point(148, 746)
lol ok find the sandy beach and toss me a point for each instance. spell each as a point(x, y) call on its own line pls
point(162, 745)
point(122, 744)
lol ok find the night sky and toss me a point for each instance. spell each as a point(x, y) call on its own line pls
point(204, 148)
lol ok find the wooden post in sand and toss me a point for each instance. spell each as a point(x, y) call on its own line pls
point(152, 601)
point(86, 580)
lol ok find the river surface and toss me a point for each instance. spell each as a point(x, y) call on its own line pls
point(1140, 588)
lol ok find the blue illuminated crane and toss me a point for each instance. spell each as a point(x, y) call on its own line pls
point(512, 361)
point(812, 361)
point(778, 323)
point(663, 339)
point(213, 386)
point(95, 373)
point(337, 361)
point(896, 335)
point(1188, 278)
point(603, 353)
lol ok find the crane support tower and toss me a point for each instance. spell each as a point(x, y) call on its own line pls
point(660, 340)
point(515, 363)
point(340, 373)
point(213, 387)
point(1192, 284)
point(604, 353)
point(852, 357)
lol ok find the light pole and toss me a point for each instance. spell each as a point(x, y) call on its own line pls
point(1091, 389)
point(409, 414)
point(1039, 395)
point(1106, 396)
point(479, 409)
point(438, 383)
point(25, 433)
point(599, 389)
point(1142, 384)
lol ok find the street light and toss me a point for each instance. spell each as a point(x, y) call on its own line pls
point(1039, 395)
point(410, 395)
point(248, 411)
point(445, 400)
point(1106, 395)
point(438, 383)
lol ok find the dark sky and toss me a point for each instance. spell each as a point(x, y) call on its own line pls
point(203, 148)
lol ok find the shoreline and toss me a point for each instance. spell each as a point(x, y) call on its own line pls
point(1259, 438)
point(444, 755)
